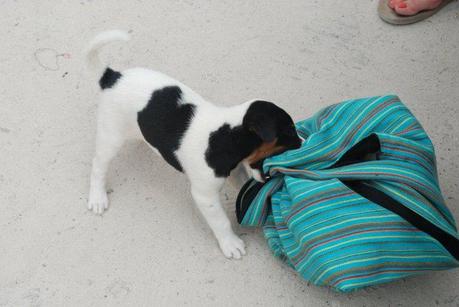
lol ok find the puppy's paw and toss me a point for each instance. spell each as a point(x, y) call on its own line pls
point(232, 247)
point(98, 202)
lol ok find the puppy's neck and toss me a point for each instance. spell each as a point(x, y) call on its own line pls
point(234, 115)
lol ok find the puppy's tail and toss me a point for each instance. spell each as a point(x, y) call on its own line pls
point(92, 50)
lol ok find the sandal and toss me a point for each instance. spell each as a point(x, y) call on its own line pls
point(390, 16)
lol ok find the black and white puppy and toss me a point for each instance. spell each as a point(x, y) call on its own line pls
point(204, 141)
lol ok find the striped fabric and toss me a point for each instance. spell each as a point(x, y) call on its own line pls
point(316, 210)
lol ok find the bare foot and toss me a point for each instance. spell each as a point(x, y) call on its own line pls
point(412, 7)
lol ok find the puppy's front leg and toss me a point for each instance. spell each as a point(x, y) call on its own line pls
point(208, 201)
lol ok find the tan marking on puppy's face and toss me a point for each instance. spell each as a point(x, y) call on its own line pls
point(264, 150)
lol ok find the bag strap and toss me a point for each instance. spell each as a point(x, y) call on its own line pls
point(246, 196)
point(372, 146)
point(449, 242)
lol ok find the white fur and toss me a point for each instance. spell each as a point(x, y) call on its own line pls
point(117, 122)
point(92, 50)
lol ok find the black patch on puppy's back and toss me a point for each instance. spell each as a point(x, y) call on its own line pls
point(164, 120)
point(109, 78)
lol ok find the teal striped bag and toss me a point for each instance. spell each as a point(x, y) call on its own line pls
point(359, 203)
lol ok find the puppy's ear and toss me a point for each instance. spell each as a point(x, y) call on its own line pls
point(261, 119)
point(264, 128)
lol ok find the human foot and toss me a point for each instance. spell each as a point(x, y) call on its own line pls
point(412, 7)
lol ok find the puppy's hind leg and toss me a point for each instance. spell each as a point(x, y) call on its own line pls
point(109, 140)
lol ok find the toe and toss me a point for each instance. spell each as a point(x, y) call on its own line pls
point(241, 247)
point(405, 10)
point(412, 7)
point(97, 208)
point(226, 251)
point(237, 254)
point(394, 3)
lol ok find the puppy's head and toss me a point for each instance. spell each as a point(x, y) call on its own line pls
point(273, 130)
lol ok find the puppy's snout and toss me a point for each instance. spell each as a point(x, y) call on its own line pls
point(258, 175)
point(297, 144)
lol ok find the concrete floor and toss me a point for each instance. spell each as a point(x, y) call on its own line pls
point(152, 248)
